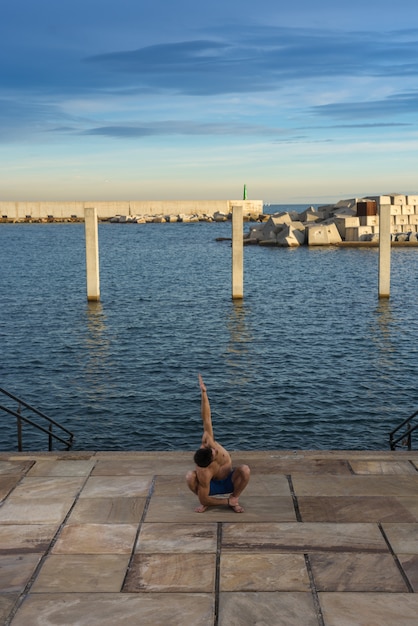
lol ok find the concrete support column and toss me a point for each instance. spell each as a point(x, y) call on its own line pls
point(237, 253)
point(384, 251)
point(92, 254)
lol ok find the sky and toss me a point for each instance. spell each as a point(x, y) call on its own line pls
point(172, 99)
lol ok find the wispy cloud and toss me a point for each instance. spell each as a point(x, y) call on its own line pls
point(184, 128)
point(245, 63)
point(240, 62)
point(393, 105)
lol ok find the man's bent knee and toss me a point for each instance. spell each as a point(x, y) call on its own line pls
point(191, 480)
point(244, 471)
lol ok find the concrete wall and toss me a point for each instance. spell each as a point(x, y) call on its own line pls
point(106, 210)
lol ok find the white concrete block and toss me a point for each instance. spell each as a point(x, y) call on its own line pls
point(380, 199)
point(402, 219)
point(279, 218)
point(291, 237)
point(297, 226)
point(310, 215)
point(363, 232)
point(396, 209)
point(413, 219)
point(344, 222)
point(396, 228)
point(408, 209)
point(412, 200)
point(323, 235)
point(369, 220)
point(375, 230)
point(398, 199)
point(349, 220)
point(358, 234)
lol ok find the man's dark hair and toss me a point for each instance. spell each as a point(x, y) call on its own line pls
point(203, 457)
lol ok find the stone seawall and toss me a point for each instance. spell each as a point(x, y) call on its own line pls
point(21, 211)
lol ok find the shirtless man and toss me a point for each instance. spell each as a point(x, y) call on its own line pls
point(214, 473)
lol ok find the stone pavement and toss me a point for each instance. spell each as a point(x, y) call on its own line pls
point(105, 538)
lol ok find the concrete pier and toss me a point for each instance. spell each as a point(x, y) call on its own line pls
point(237, 253)
point(92, 254)
point(22, 211)
point(328, 538)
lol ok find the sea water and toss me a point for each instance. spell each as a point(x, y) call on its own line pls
point(309, 359)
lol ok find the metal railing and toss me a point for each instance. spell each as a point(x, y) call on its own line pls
point(403, 438)
point(65, 437)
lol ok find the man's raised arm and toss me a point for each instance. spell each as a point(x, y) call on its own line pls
point(206, 414)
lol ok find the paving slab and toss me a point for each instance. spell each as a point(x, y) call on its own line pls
point(174, 572)
point(16, 570)
point(263, 572)
point(151, 465)
point(104, 510)
point(357, 572)
point(121, 486)
point(24, 538)
point(53, 488)
point(260, 607)
point(402, 537)
point(62, 468)
point(41, 511)
point(81, 573)
point(303, 537)
point(96, 539)
point(327, 538)
point(363, 467)
point(17, 468)
point(386, 485)
point(358, 509)
point(180, 538)
point(369, 609)
point(108, 609)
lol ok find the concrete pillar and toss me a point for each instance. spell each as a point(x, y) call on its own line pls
point(92, 254)
point(237, 252)
point(384, 251)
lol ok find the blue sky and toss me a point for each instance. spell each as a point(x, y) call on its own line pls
point(303, 102)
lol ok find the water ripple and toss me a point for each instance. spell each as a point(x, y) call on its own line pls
point(309, 359)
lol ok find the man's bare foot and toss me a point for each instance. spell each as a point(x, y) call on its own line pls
point(201, 509)
point(234, 505)
point(237, 508)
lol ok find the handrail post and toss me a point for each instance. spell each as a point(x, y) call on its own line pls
point(50, 438)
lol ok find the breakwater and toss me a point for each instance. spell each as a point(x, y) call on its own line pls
point(356, 220)
point(74, 211)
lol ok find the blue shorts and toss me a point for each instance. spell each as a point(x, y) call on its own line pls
point(218, 487)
